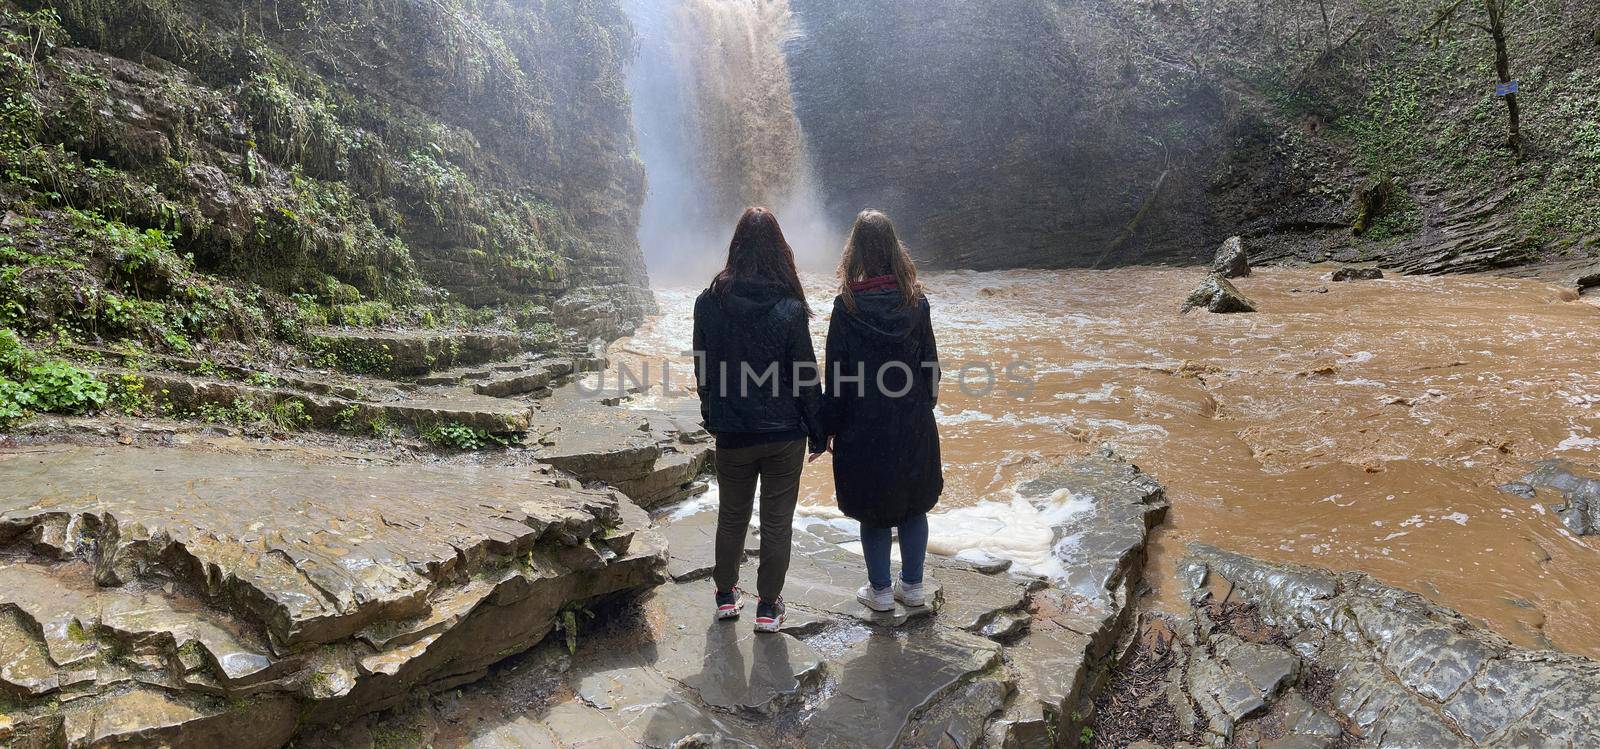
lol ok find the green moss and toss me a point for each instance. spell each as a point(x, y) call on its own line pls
point(76, 632)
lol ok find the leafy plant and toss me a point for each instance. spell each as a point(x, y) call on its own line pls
point(129, 394)
point(462, 437)
point(240, 412)
point(291, 414)
point(13, 401)
point(345, 419)
point(263, 380)
point(58, 387)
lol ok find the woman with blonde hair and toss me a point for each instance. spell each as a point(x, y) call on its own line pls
point(882, 386)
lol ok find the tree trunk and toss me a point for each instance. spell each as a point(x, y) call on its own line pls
point(1502, 65)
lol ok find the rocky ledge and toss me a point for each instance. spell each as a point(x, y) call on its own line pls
point(999, 660)
point(1287, 657)
point(177, 598)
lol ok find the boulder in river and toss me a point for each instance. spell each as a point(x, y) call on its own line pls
point(1217, 295)
point(1580, 493)
point(1232, 261)
point(1357, 274)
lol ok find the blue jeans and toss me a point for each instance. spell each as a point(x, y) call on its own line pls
point(876, 545)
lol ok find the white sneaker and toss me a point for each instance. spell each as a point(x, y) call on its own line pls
point(911, 595)
point(877, 600)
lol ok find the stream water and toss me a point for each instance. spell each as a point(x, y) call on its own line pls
point(1363, 427)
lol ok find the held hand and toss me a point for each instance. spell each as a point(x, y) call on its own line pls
point(829, 448)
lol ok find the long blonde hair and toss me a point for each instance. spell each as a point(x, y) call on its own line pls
point(873, 250)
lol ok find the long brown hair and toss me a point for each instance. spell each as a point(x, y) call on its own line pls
point(759, 252)
point(874, 249)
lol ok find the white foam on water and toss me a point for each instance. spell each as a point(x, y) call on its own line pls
point(1018, 530)
point(1577, 442)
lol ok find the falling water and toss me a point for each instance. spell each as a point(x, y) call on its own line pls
point(718, 132)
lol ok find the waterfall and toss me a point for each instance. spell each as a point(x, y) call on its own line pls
point(718, 132)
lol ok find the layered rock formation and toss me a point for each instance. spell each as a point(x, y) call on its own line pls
point(371, 160)
point(999, 660)
point(1070, 133)
point(1285, 656)
point(183, 598)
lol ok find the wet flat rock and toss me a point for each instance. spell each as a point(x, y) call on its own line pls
point(1073, 623)
point(999, 660)
point(651, 456)
point(1405, 672)
point(313, 589)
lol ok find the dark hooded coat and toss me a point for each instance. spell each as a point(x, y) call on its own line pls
point(741, 335)
point(882, 386)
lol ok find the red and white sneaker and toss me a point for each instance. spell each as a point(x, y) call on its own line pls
point(729, 603)
point(769, 615)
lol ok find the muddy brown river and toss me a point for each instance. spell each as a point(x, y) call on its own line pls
point(1357, 426)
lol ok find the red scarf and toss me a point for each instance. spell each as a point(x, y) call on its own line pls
point(876, 283)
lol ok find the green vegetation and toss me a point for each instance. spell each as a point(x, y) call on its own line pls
point(462, 437)
point(290, 415)
point(350, 355)
point(30, 384)
point(129, 394)
point(227, 180)
point(242, 412)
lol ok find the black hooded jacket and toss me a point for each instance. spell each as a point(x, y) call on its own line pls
point(748, 343)
point(883, 383)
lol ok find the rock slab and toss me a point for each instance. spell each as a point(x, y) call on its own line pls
point(1399, 669)
point(150, 596)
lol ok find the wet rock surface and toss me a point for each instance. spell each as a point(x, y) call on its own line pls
point(1356, 274)
point(1231, 261)
point(182, 598)
point(1287, 656)
point(998, 659)
point(1216, 294)
point(1575, 493)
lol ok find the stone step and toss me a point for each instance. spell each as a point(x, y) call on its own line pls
point(534, 375)
point(162, 590)
point(315, 383)
point(415, 353)
point(420, 410)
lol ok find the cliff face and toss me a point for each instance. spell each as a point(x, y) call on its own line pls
point(995, 135)
point(385, 162)
point(1057, 133)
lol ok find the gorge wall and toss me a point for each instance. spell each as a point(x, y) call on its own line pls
point(305, 162)
point(1055, 133)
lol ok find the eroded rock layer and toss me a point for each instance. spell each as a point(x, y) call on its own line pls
point(1291, 656)
point(182, 598)
point(999, 660)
